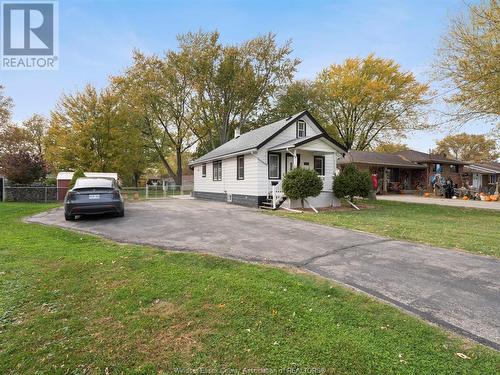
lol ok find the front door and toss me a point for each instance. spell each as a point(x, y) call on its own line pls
point(476, 181)
point(289, 162)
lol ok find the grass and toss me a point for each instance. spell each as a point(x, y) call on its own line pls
point(77, 304)
point(470, 229)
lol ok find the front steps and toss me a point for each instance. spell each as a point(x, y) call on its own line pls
point(268, 204)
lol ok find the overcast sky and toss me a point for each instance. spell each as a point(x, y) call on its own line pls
point(97, 39)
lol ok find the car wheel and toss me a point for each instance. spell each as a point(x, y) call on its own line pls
point(121, 214)
point(69, 217)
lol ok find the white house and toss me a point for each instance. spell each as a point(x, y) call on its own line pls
point(248, 169)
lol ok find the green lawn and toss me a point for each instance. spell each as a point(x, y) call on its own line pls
point(76, 304)
point(474, 230)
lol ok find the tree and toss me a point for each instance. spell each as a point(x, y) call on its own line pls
point(301, 183)
point(5, 108)
point(36, 130)
point(469, 147)
point(294, 98)
point(468, 63)
point(365, 100)
point(233, 84)
point(91, 130)
point(79, 173)
point(351, 182)
point(23, 167)
point(391, 148)
point(159, 91)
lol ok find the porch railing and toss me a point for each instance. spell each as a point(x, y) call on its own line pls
point(277, 193)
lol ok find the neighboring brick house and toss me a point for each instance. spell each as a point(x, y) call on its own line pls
point(450, 168)
point(405, 170)
point(484, 176)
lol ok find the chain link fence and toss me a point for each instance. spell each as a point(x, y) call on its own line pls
point(46, 194)
point(40, 194)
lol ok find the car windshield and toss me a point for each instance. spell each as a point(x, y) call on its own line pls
point(90, 183)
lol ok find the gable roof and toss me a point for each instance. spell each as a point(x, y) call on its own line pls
point(257, 138)
point(422, 157)
point(378, 158)
point(484, 168)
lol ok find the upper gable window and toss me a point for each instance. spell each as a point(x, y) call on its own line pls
point(301, 129)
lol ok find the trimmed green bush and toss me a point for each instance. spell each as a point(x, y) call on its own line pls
point(351, 182)
point(78, 173)
point(301, 183)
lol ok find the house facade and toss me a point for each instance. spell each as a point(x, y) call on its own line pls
point(408, 170)
point(248, 170)
point(484, 176)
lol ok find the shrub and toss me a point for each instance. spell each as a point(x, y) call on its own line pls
point(302, 183)
point(352, 182)
point(78, 173)
point(23, 167)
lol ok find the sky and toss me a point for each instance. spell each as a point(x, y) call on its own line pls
point(97, 39)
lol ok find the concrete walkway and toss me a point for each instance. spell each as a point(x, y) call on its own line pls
point(440, 201)
point(456, 290)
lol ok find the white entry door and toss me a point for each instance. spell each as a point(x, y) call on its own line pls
point(289, 162)
point(476, 180)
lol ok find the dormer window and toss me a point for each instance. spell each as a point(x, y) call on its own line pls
point(301, 129)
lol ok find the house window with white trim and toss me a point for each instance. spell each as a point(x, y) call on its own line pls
point(240, 167)
point(203, 170)
point(301, 129)
point(217, 169)
point(274, 166)
point(319, 165)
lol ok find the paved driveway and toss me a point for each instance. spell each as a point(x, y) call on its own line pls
point(456, 290)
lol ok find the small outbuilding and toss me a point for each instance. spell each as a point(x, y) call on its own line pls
point(64, 179)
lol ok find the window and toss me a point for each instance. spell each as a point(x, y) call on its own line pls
point(437, 168)
point(217, 170)
point(319, 165)
point(301, 129)
point(203, 170)
point(240, 167)
point(274, 166)
point(453, 168)
point(493, 178)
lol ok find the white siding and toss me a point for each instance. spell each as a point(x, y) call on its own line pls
point(286, 135)
point(256, 182)
point(229, 184)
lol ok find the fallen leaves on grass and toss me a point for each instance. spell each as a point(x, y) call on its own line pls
point(462, 355)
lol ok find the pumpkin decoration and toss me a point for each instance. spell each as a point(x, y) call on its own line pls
point(427, 195)
point(465, 198)
point(493, 198)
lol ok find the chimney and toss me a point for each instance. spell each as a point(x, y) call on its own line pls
point(237, 132)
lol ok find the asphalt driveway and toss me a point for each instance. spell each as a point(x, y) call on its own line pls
point(456, 290)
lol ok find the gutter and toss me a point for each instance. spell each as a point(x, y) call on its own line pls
point(220, 157)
